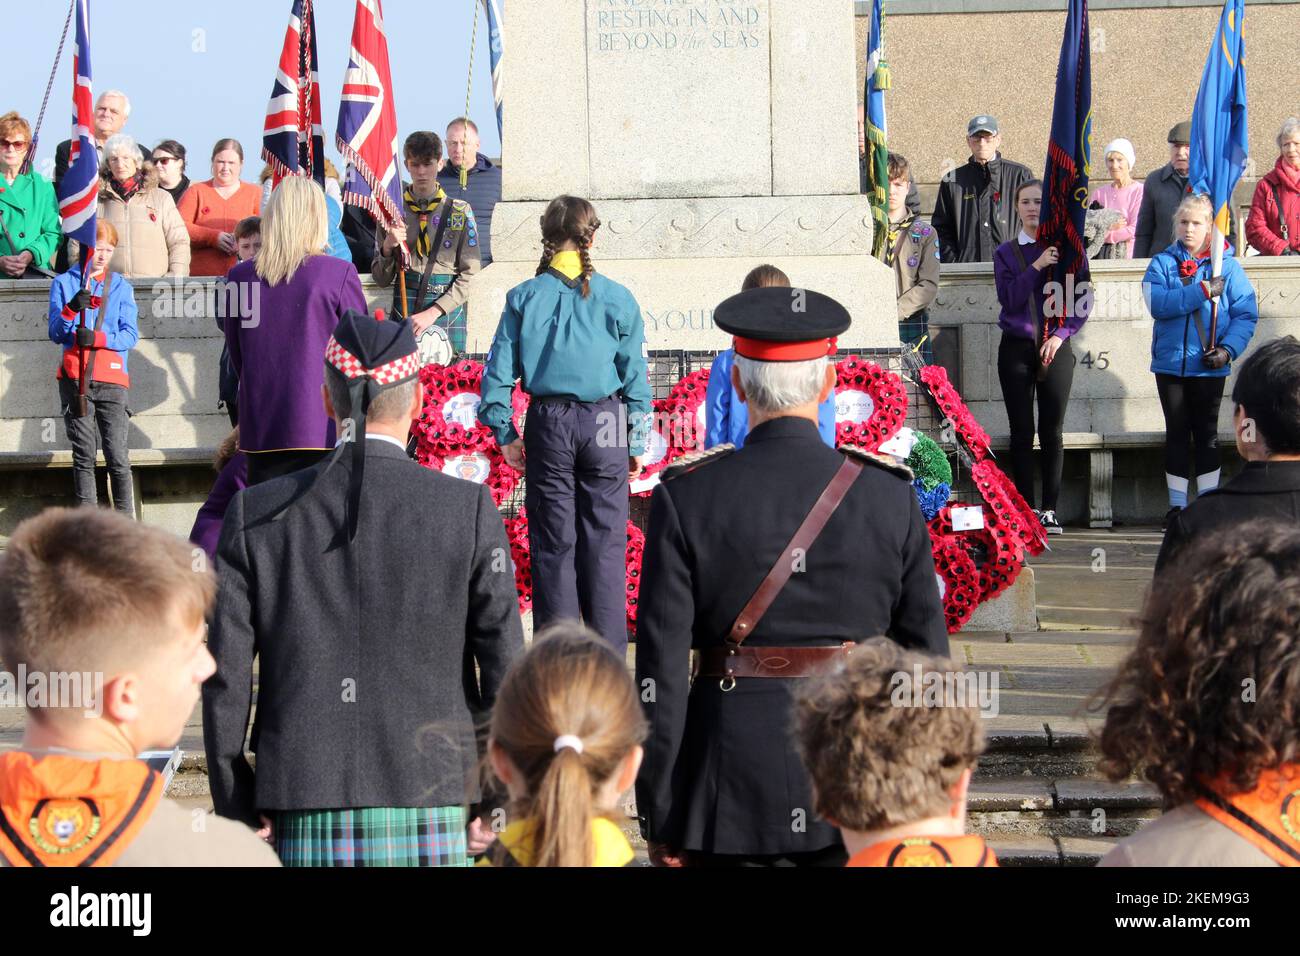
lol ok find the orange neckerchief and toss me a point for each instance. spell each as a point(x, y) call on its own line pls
point(1267, 817)
point(58, 810)
point(969, 850)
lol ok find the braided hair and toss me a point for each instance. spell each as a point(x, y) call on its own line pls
point(569, 219)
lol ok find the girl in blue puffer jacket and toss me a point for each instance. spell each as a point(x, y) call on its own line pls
point(1191, 369)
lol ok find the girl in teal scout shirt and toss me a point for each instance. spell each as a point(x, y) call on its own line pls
point(28, 209)
point(577, 342)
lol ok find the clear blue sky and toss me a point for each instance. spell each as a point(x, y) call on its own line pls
point(199, 70)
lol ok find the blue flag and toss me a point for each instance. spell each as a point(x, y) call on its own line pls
point(877, 151)
point(1069, 151)
point(494, 31)
point(1219, 148)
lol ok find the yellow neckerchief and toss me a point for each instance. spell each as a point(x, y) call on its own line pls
point(568, 261)
point(423, 209)
point(611, 846)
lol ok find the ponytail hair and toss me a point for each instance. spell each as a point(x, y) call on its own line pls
point(569, 683)
point(569, 219)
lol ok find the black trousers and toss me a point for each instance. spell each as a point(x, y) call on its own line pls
point(265, 465)
point(1018, 373)
point(1191, 407)
point(577, 501)
point(106, 406)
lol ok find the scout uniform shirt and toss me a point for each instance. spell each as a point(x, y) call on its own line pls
point(515, 845)
point(912, 248)
point(596, 349)
point(455, 261)
point(942, 851)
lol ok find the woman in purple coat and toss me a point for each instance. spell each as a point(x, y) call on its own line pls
point(1034, 366)
point(285, 305)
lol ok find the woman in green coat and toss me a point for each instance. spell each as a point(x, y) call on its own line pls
point(28, 209)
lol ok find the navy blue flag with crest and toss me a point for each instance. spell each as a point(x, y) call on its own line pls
point(1069, 154)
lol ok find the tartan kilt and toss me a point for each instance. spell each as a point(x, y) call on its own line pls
point(373, 836)
point(913, 328)
point(456, 325)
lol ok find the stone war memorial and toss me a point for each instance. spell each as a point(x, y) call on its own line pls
point(711, 137)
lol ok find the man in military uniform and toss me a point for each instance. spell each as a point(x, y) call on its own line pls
point(975, 211)
point(443, 238)
point(912, 248)
point(846, 555)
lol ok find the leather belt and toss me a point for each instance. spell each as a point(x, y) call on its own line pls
point(736, 661)
point(561, 399)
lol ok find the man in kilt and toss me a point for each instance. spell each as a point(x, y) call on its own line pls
point(379, 601)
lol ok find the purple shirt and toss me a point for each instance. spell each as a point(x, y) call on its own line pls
point(278, 350)
point(1020, 291)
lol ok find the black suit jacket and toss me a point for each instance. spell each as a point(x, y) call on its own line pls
point(1263, 489)
point(367, 694)
point(721, 773)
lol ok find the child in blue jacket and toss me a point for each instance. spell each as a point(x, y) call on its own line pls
point(110, 331)
point(1190, 368)
point(726, 419)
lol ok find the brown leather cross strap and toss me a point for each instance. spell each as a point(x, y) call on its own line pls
point(803, 539)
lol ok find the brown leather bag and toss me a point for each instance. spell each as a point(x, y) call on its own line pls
point(732, 660)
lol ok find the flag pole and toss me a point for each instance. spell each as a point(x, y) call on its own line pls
point(26, 167)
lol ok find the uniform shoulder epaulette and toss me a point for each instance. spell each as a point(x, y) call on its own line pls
point(690, 462)
point(880, 461)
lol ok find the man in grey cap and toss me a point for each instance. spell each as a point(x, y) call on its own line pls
point(1162, 191)
point(976, 208)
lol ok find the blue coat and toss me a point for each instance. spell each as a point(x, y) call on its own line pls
point(1175, 344)
point(726, 417)
point(119, 332)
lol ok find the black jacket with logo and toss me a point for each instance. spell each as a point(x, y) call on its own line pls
point(975, 211)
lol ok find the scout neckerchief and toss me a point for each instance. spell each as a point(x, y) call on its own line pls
point(1267, 817)
point(892, 238)
point(58, 810)
point(969, 850)
point(424, 209)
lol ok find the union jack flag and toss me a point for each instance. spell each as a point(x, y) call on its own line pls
point(79, 189)
point(294, 140)
point(367, 129)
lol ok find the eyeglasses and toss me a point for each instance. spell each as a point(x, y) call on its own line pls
point(12, 143)
point(164, 160)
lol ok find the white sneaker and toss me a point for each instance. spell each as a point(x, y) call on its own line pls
point(1049, 522)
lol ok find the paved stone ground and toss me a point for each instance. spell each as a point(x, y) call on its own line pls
point(1090, 587)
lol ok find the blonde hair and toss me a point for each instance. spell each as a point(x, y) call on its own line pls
point(1199, 202)
point(295, 225)
point(569, 682)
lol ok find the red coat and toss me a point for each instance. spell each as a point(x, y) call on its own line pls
point(1262, 225)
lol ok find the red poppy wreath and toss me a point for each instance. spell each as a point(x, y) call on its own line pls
point(870, 403)
point(954, 409)
point(959, 581)
point(635, 554)
point(517, 535)
point(1006, 553)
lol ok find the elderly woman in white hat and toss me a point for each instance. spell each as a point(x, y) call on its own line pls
point(1122, 194)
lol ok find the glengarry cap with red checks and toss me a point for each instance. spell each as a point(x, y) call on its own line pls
point(373, 354)
point(781, 324)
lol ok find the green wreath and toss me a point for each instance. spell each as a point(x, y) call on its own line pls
point(929, 463)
